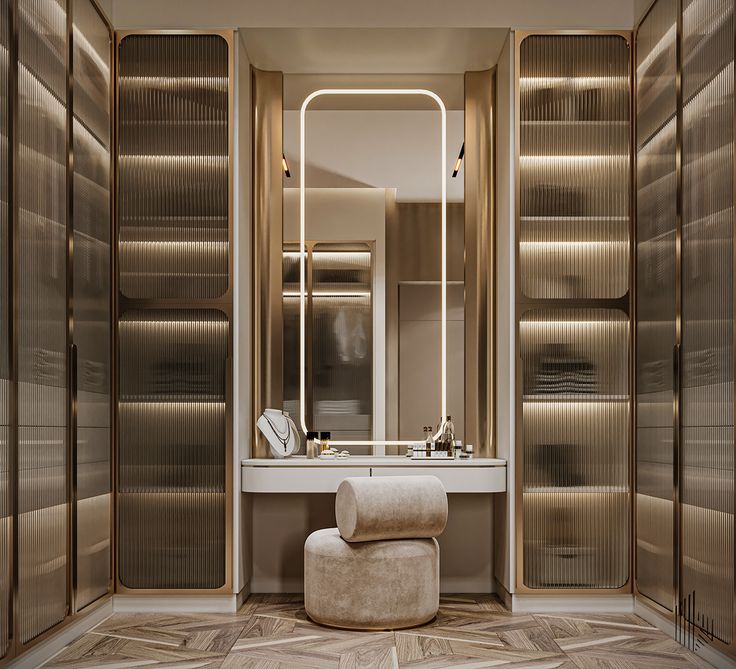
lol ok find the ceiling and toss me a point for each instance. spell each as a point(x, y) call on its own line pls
point(373, 50)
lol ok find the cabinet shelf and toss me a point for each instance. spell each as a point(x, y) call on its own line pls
point(575, 399)
point(554, 217)
point(574, 123)
point(583, 489)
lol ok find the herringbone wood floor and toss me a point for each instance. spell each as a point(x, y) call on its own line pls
point(470, 632)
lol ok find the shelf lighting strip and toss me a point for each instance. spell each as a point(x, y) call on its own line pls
point(581, 82)
point(302, 241)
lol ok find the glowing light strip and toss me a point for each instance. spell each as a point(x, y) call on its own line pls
point(552, 245)
point(215, 82)
point(575, 158)
point(302, 242)
point(582, 82)
point(171, 243)
point(395, 442)
point(332, 294)
point(574, 324)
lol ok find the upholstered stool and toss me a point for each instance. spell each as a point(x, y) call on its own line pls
point(380, 568)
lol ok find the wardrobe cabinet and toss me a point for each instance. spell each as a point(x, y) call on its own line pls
point(174, 321)
point(573, 312)
point(55, 312)
point(685, 293)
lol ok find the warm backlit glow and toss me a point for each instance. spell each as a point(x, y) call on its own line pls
point(302, 242)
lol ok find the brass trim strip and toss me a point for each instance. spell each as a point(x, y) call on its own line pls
point(71, 358)
point(13, 210)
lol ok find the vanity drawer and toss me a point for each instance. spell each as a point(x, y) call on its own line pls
point(298, 479)
point(456, 478)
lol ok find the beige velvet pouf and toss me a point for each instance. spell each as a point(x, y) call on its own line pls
point(373, 585)
point(390, 507)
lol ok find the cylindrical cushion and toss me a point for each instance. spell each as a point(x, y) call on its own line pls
point(370, 586)
point(391, 507)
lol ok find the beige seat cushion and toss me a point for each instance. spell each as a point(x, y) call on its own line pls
point(370, 586)
point(391, 507)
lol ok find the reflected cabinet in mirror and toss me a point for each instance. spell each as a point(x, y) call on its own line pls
point(373, 278)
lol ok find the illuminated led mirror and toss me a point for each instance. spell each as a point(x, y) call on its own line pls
point(368, 308)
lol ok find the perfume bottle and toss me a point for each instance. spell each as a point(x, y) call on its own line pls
point(324, 441)
point(448, 435)
point(311, 445)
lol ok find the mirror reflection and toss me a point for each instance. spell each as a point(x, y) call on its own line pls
point(373, 267)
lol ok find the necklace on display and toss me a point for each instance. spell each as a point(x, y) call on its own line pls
point(282, 440)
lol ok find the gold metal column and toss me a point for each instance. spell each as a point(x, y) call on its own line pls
point(480, 182)
point(267, 96)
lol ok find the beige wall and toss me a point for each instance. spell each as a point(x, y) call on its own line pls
point(420, 341)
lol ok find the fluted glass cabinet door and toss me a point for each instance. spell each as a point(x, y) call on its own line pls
point(173, 166)
point(42, 316)
point(574, 166)
point(575, 420)
point(656, 114)
point(707, 310)
point(174, 228)
point(574, 230)
point(91, 285)
point(5, 474)
point(171, 480)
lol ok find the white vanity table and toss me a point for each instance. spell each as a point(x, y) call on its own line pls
point(299, 475)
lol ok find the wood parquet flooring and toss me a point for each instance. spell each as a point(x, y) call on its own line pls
point(470, 632)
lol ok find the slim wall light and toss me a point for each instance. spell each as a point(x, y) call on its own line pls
point(459, 161)
point(285, 165)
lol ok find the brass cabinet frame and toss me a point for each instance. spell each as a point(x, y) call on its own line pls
point(15, 648)
point(662, 611)
point(223, 303)
point(523, 303)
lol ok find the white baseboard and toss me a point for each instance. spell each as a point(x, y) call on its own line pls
point(48, 648)
point(708, 653)
point(572, 603)
point(176, 603)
